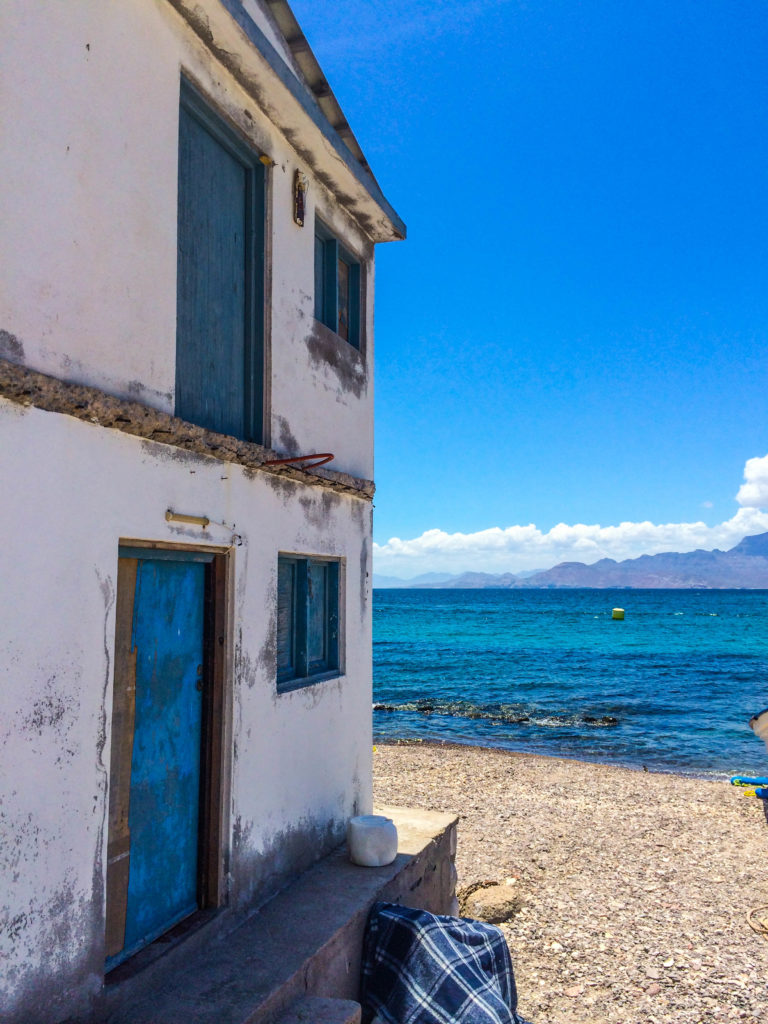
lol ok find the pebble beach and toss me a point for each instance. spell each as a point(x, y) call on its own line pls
point(625, 896)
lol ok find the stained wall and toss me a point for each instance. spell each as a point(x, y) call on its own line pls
point(88, 208)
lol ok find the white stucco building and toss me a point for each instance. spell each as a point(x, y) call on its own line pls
point(185, 641)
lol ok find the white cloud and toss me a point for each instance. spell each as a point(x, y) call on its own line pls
point(517, 548)
point(753, 493)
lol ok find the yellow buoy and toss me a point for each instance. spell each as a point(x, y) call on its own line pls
point(618, 613)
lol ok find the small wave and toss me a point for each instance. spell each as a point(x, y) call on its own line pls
point(500, 714)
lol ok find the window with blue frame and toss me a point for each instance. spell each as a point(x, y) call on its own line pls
point(337, 286)
point(307, 620)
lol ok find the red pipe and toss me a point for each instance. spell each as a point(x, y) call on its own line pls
point(320, 460)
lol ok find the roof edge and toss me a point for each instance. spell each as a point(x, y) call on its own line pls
point(299, 92)
point(308, 69)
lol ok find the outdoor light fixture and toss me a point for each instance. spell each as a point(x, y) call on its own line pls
point(177, 517)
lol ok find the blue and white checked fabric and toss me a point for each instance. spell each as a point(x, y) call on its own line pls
point(420, 968)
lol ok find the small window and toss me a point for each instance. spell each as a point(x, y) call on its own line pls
point(337, 286)
point(307, 620)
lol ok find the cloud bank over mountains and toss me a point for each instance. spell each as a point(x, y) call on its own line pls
point(520, 548)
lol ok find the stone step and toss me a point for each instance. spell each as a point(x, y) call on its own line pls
point(305, 942)
point(318, 1010)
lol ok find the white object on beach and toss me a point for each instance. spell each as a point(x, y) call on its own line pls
point(371, 840)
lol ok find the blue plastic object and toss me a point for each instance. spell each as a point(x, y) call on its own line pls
point(748, 780)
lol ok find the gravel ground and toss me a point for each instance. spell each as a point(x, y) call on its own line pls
point(633, 888)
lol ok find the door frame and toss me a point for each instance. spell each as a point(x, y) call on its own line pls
point(215, 764)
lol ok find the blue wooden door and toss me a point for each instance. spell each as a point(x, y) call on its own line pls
point(165, 763)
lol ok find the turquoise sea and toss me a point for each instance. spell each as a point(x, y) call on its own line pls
point(671, 688)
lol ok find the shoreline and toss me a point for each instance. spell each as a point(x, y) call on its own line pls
point(629, 891)
point(698, 774)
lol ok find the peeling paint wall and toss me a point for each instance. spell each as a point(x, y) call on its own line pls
point(88, 216)
point(300, 762)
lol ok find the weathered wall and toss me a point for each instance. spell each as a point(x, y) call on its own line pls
point(88, 210)
point(88, 218)
point(300, 762)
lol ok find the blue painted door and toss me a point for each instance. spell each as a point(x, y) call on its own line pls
point(165, 764)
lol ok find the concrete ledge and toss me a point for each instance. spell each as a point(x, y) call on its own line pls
point(307, 941)
point(29, 387)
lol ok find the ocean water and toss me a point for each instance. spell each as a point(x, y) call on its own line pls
point(671, 688)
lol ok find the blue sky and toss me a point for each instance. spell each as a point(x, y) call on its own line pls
point(573, 337)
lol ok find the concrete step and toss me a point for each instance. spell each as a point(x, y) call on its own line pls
point(305, 942)
point(317, 1010)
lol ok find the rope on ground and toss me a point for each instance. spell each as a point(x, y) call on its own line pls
point(759, 924)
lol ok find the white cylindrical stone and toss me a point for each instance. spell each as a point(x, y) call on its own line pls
point(371, 840)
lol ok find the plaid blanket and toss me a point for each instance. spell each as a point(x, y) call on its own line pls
point(419, 968)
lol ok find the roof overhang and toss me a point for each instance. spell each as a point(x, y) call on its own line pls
point(237, 42)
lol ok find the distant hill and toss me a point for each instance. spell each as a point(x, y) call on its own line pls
point(474, 581)
point(755, 545)
point(444, 581)
point(427, 579)
point(742, 567)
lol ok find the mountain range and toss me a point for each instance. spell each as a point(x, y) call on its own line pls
point(742, 567)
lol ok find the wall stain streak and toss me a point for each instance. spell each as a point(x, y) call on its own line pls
point(328, 351)
point(318, 512)
point(56, 711)
point(11, 348)
point(47, 712)
point(364, 580)
point(260, 873)
point(267, 658)
point(245, 671)
point(285, 438)
point(66, 977)
point(147, 395)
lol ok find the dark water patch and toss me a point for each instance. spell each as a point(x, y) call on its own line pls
point(502, 715)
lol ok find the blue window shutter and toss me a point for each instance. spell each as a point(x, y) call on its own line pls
point(319, 279)
point(219, 361)
point(317, 593)
point(354, 304)
point(330, 288)
point(332, 620)
point(286, 619)
point(302, 617)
